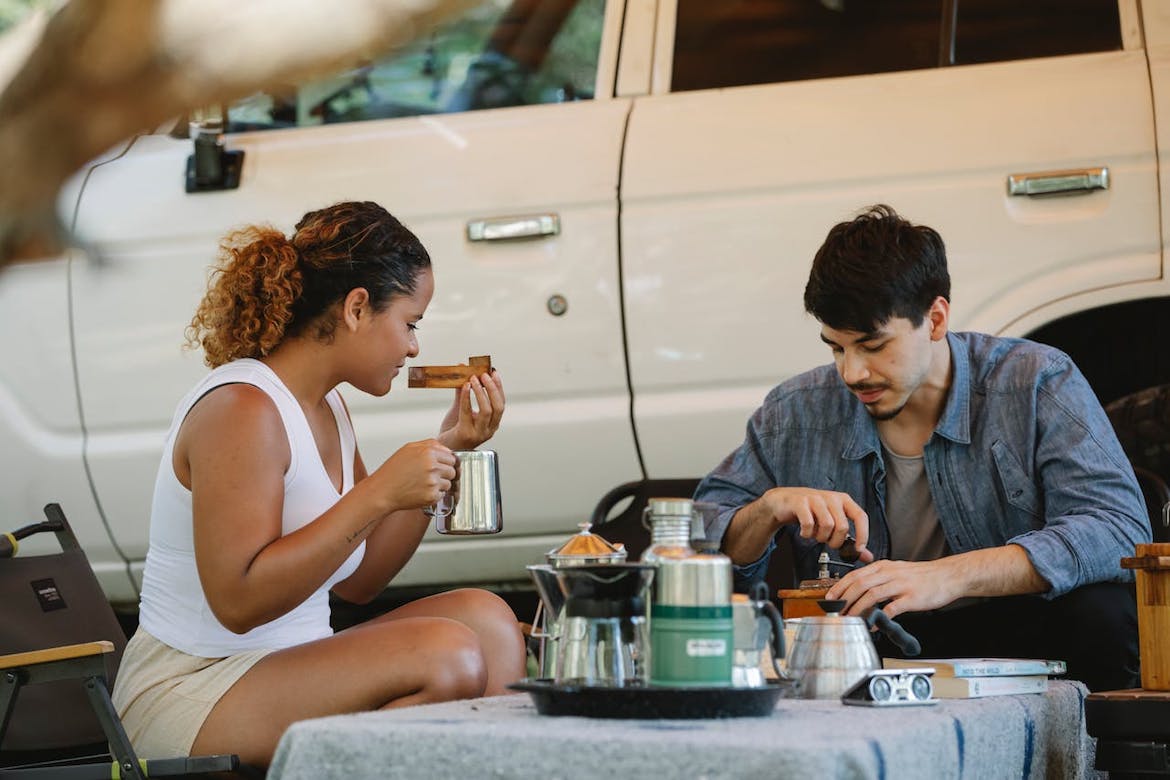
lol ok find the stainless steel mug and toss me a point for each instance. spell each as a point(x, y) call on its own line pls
point(472, 505)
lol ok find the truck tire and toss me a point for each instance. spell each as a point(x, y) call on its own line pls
point(1142, 423)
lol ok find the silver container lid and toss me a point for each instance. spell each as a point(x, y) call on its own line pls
point(585, 549)
point(696, 580)
point(669, 506)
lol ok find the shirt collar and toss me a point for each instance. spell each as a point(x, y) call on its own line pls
point(955, 423)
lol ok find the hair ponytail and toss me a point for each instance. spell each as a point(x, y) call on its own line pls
point(267, 287)
point(250, 297)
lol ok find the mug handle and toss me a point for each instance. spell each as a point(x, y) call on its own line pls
point(440, 508)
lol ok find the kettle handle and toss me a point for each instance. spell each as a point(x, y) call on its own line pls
point(905, 641)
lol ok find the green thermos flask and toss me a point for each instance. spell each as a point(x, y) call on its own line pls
point(691, 628)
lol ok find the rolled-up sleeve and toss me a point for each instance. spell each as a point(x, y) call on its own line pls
point(740, 479)
point(1094, 512)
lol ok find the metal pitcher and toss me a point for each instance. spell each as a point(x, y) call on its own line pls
point(757, 626)
point(472, 505)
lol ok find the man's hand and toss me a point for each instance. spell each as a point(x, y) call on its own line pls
point(823, 515)
point(905, 586)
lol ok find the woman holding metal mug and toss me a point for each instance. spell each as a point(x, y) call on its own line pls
point(262, 505)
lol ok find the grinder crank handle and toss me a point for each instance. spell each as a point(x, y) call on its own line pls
point(905, 641)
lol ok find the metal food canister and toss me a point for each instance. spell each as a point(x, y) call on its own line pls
point(692, 635)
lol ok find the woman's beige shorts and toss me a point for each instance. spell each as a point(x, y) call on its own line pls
point(163, 695)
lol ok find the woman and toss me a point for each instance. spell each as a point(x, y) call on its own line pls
point(262, 505)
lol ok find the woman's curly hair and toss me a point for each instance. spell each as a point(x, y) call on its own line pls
point(267, 287)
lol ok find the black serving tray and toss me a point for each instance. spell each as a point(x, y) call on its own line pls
point(651, 701)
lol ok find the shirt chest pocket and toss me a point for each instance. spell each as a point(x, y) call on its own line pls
point(1019, 498)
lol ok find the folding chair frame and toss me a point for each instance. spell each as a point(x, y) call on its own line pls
point(85, 662)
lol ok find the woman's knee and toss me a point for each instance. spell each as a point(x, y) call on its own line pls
point(483, 604)
point(457, 668)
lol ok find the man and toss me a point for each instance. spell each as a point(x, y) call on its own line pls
point(989, 497)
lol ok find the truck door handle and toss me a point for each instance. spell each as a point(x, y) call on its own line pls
point(512, 228)
point(1070, 182)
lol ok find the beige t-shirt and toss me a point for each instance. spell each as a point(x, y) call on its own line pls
point(915, 531)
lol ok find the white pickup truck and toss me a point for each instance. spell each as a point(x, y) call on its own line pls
point(622, 199)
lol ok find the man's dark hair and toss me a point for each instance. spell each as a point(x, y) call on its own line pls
point(875, 267)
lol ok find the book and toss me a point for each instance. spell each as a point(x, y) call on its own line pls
point(976, 687)
point(979, 667)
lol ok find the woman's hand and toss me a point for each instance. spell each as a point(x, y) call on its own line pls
point(464, 428)
point(416, 475)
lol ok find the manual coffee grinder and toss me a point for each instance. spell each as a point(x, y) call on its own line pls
point(691, 628)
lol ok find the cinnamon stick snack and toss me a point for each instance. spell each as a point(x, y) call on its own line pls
point(448, 376)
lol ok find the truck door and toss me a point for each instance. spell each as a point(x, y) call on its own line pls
point(497, 140)
point(1022, 132)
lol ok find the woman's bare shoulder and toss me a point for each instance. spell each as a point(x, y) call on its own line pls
point(235, 414)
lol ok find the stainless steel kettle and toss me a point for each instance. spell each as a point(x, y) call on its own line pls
point(831, 653)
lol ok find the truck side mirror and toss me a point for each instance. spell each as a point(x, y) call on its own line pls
point(212, 167)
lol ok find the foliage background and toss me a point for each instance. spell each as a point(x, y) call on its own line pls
point(12, 11)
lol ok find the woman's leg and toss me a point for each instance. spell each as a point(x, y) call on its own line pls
point(373, 666)
point(493, 622)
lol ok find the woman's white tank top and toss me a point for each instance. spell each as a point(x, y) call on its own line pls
point(173, 607)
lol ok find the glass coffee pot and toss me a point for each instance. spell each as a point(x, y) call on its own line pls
point(603, 639)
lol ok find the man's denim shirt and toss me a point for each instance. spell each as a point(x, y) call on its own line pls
point(1023, 454)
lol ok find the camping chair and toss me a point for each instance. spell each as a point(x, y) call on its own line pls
point(1156, 493)
point(625, 526)
point(61, 643)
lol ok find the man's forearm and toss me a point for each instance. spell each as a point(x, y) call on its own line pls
point(997, 571)
point(748, 534)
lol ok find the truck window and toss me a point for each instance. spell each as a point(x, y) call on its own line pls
point(739, 42)
point(993, 30)
point(499, 53)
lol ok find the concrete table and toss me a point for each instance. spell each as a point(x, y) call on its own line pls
point(1030, 736)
